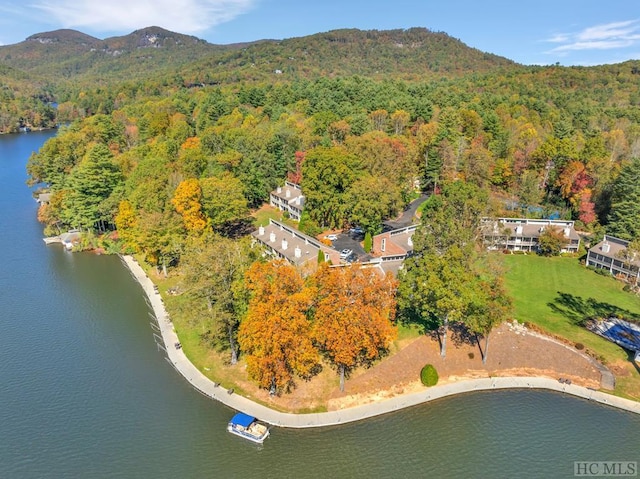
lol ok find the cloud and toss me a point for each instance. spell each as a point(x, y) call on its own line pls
point(607, 36)
point(184, 16)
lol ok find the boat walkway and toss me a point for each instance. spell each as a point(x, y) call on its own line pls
point(210, 389)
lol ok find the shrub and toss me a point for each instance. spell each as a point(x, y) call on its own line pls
point(368, 242)
point(579, 346)
point(429, 375)
point(471, 355)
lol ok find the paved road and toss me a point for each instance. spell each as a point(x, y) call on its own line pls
point(408, 214)
point(207, 387)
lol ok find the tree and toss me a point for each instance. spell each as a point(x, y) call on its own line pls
point(493, 306)
point(353, 314)
point(187, 201)
point(370, 200)
point(623, 220)
point(89, 186)
point(368, 242)
point(275, 334)
point(438, 284)
point(551, 241)
point(213, 270)
point(162, 238)
point(327, 175)
point(437, 289)
point(223, 200)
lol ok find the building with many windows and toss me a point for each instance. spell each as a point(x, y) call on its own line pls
point(611, 254)
point(282, 241)
point(522, 234)
point(288, 198)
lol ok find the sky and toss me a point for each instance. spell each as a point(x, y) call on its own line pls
point(541, 32)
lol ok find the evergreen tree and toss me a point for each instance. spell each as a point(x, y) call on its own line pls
point(624, 216)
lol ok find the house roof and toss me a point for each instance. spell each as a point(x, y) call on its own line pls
point(293, 191)
point(398, 242)
point(293, 245)
point(611, 247)
point(526, 227)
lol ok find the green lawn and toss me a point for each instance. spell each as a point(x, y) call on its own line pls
point(558, 293)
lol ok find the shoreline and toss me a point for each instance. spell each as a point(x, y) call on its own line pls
point(204, 385)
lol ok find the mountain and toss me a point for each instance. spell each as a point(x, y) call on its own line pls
point(412, 53)
point(69, 53)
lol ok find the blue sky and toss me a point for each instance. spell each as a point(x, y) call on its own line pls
point(571, 32)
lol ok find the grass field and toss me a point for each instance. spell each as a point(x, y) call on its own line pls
point(558, 293)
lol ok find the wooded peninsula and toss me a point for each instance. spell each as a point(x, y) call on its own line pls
point(169, 149)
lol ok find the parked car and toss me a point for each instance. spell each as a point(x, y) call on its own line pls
point(345, 253)
point(332, 237)
point(356, 231)
point(352, 258)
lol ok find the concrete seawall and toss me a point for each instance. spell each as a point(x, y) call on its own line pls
point(207, 387)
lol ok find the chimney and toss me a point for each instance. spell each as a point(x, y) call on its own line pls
point(606, 247)
point(279, 190)
point(410, 240)
point(518, 230)
point(567, 232)
point(285, 244)
point(297, 252)
point(288, 193)
point(261, 231)
point(272, 237)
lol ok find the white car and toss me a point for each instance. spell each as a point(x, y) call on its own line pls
point(332, 237)
point(345, 253)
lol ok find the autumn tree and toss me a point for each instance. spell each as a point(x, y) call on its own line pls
point(187, 201)
point(551, 241)
point(275, 335)
point(353, 315)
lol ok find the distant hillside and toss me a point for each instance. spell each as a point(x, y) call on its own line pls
point(413, 53)
point(409, 54)
point(69, 53)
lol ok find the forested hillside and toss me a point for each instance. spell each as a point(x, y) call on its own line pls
point(87, 75)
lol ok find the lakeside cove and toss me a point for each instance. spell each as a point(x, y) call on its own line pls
point(177, 358)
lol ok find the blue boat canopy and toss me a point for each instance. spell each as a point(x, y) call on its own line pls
point(242, 419)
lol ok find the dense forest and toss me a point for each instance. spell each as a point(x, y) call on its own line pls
point(170, 162)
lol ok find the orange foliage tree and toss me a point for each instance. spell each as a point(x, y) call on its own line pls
point(353, 317)
point(275, 335)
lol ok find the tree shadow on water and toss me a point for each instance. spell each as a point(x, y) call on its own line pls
point(579, 310)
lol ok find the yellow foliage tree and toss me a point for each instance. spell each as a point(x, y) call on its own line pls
point(187, 201)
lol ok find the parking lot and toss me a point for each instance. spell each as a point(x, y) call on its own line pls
point(351, 241)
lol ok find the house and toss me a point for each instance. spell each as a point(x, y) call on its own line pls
point(288, 198)
point(282, 241)
point(394, 245)
point(44, 198)
point(522, 234)
point(610, 254)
